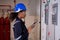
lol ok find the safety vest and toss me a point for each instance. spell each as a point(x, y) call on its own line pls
point(20, 30)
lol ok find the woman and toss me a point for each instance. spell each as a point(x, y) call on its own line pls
point(20, 30)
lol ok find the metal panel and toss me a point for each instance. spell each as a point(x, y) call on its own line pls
point(46, 13)
point(55, 14)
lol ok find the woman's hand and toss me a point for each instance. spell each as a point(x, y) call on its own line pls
point(31, 27)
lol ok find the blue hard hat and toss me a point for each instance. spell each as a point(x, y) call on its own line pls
point(19, 7)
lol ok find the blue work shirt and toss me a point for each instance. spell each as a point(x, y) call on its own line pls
point(20, 30)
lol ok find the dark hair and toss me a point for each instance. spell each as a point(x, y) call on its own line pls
point(13, 15)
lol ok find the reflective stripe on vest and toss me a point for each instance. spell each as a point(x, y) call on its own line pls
point(18, 37)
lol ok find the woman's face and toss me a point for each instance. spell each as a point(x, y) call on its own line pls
point(22, 14)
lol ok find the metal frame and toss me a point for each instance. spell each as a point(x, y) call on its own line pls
point(40, 16)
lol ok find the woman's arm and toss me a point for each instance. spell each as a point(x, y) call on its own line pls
point(31, 27)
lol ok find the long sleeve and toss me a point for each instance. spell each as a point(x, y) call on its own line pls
point(18, 31)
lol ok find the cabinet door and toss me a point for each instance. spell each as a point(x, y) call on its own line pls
point(7, 29)
point(1, 28)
